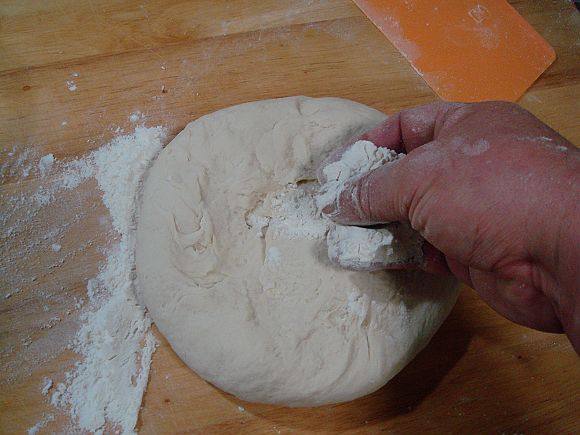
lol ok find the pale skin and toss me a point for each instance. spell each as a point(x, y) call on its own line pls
point(496, 194)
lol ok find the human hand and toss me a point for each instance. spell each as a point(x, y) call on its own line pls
point(496, 194)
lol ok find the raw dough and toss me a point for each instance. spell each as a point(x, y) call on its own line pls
point(242, 287)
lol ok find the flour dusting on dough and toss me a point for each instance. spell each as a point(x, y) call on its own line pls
point(295, 212)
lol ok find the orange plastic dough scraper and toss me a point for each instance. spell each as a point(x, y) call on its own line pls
point(466, 50)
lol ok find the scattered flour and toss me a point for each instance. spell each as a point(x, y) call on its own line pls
point(47, 418)
point(71, 85)
point(115, 342)
point(358, 304)
point(12, 293)
point(135, 116)
point(46, 386)
point(74, 173)
point(71, 175)
point(21, 166)
point(45, 164)
point(295, 214)
point(14, 164)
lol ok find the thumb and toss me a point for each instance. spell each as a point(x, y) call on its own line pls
point(378, 197)
point(388, 194)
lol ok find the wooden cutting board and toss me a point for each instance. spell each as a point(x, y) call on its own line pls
point(176, 60)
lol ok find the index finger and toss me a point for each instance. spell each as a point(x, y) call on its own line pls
point(411, 128)
point(401, 132)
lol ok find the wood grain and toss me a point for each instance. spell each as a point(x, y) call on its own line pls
point(176, 60)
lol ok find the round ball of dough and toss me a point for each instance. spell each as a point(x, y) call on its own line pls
point(244, 292)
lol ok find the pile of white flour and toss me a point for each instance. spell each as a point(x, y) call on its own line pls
point(358, 159)
point(45, 229)
point(115, 341)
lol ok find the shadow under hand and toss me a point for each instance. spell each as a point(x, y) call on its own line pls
point(400, 396)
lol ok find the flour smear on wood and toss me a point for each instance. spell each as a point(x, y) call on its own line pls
point(107, 329)
point(115, 339)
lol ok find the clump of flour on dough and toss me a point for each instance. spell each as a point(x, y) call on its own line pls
point(258, 223)
point(358, 304)
point(274, 256)
point(295, 213)
point(114, 341)
point(361, 248)
point(361, 157)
